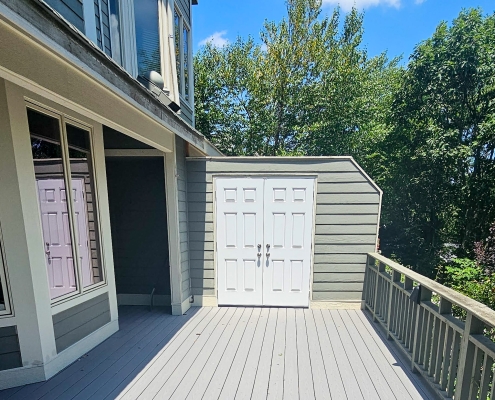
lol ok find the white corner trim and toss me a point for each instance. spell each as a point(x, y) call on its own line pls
point(21, 376)
point(205, 301)
point(72, 353)
point(180, 309)
point(337, 305)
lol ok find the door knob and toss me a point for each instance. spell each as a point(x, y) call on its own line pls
point(267, 255)
point(259, 254)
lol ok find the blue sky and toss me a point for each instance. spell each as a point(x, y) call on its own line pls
point(392, 25)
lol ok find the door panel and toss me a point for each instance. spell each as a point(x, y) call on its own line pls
point(288, 222)
point(239, 213)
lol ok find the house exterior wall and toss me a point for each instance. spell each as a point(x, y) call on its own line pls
point(71, 10)
point(183, 225)
point(10, 352)
point(346, 220)
point(139, 228)
point(75, 323)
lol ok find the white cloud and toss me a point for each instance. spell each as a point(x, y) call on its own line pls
point(218, 39)
point(347, 5)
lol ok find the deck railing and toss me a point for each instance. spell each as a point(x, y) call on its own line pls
point(454, 354)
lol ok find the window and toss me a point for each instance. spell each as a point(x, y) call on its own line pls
point(4, 300)
point(115, 30)
point(182, 38)
point(147, 36)
point(62, 157)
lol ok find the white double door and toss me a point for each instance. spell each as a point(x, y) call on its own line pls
point(264, 240)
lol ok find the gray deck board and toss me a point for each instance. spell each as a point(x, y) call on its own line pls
point(275, 384)
point(216, 351)
point(184, 387)
point(250, 370)
point(365, 382)
point(240, 360)
point(291, 381)
point(320, 380)
point(241, 353)
point(260, 387)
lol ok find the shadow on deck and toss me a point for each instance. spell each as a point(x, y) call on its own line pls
point(241, 353)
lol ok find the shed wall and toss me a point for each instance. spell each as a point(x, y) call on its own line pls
point(347, 213)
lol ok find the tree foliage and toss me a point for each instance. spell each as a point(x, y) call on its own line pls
point(310, 88)
point(424, 132)
point(439, 157)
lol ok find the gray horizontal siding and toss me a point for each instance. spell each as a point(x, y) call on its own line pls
point(183, 226)
point(77, 322)
point(186, 113)
point(10, 352)
point(71, 10)
point(347, 211)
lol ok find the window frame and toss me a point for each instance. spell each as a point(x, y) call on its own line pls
point(182, 87)
point(4, 281)
point(63, 119)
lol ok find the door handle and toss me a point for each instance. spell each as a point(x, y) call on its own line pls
point(47, 249)
point(267, 250)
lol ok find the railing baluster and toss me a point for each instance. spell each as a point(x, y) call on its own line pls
point(381, 267)
point(434, 347)
point(447, 355)
point(476, 373)
point(485, 377)
point(395, 277)
point(427, 341)
point(411, 315)
point(454, 364)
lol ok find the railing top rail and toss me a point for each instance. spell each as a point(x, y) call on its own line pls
point(479, 310)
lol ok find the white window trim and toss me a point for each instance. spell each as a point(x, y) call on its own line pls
point(63, 120)
point(4, 282)
point(182, 92)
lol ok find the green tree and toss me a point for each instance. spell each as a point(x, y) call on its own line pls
point(439, 166)
point(310, 89)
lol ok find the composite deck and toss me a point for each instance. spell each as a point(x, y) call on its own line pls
point(236, 353)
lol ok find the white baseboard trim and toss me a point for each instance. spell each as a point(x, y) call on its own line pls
point(21, 376)
point(337, 305)
point(180, 309)
point(72, 353)
point(205, 301)
point(142, 299)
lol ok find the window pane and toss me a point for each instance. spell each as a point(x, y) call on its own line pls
point(83, 187)
point(115, 30)
point(185, 39)
point(49, 172)
point(147, 36)
point(177, 49)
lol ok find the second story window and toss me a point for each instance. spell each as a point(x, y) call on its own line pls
point(182, 36)
point(147, 36)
